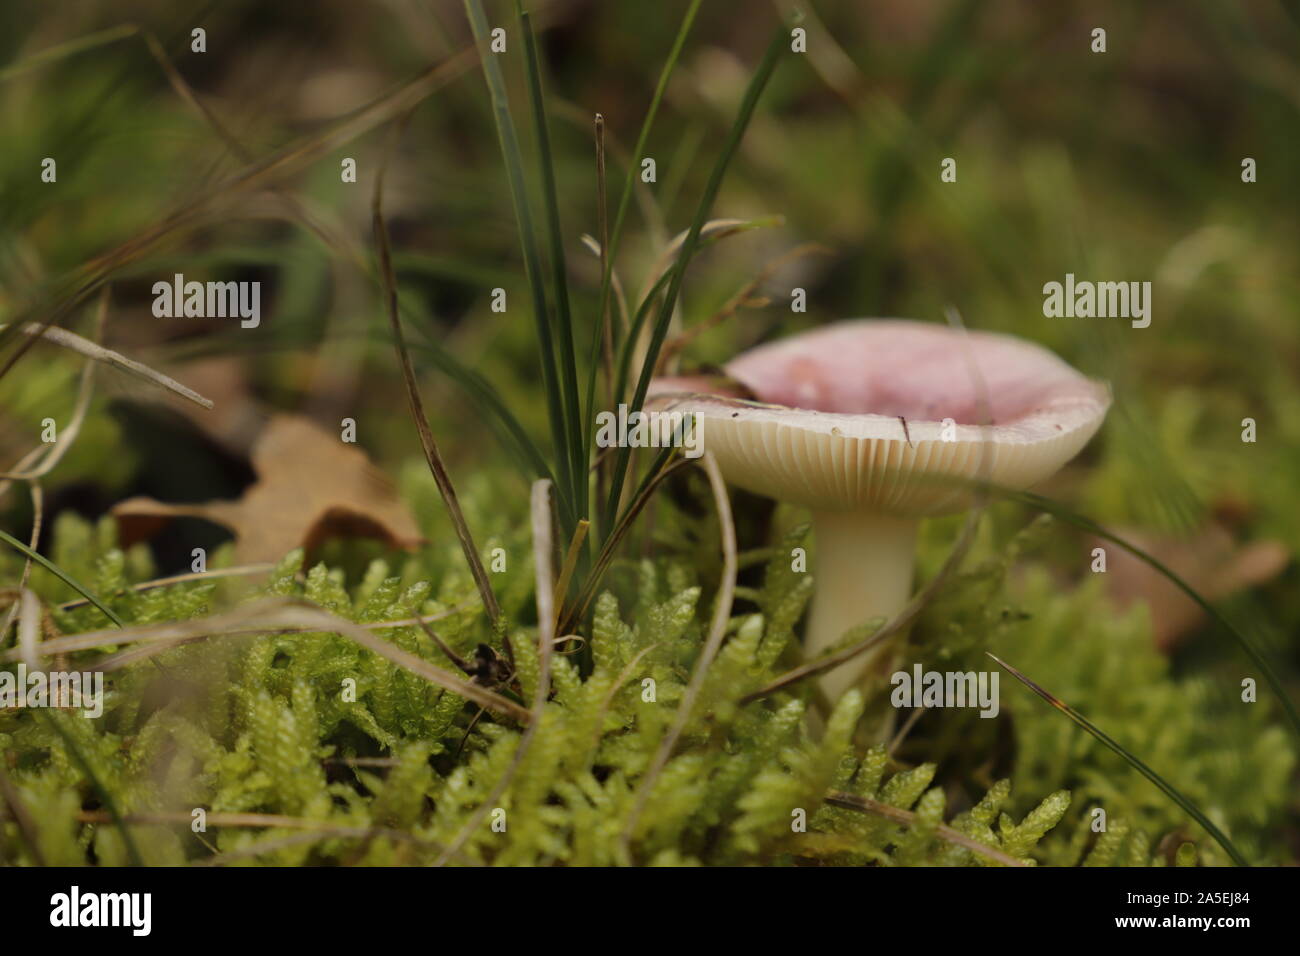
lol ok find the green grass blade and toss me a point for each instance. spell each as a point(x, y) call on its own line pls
point(643, 310)
point(64, 50)
point(491, 406)
point(629, 184)
point(54, 300)
point(757, 84)
point(415, 403)
point(634, 333)
point(651, 477)
point(62, 576)
point(512, 434)
point(509, 140)
point(662, 469)
point(574, 444)
point(1168, 789)
point(1058, 510)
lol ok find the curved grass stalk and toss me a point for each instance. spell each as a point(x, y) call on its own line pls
point(74, 288)
point(62, 575)
point(82, 346)
point(660, 330)
point(717, 631)
point(1058, 510)
point(609, 247)
point(427, 442)
point(1165, 787)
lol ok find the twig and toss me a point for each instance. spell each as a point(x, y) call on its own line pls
point(447, 650)
point(246, 569)
point(93, 639)
point(851, 801)
point(50, 455)
point(70, 340)
point(276, 614)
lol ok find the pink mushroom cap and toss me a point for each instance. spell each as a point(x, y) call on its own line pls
point(851, 416)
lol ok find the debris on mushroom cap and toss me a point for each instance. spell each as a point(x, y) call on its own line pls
point(851, 416)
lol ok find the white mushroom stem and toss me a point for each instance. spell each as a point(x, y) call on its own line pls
point(864, 570)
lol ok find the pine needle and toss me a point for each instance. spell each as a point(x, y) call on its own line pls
point(1165, 787)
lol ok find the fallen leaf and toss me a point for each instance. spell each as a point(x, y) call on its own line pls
point(237, 418)
point(1210, 561)
point(310, 487)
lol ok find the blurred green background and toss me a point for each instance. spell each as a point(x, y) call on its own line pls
point(1117, 166)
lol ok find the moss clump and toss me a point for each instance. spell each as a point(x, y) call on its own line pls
point(375, 765)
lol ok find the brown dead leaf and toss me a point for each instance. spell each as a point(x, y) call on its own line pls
point(237, 418)
point(310, 487)
point(1210, 561)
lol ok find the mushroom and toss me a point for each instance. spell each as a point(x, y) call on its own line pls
point(874, 424)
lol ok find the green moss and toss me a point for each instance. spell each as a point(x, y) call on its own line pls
point(308, 725)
